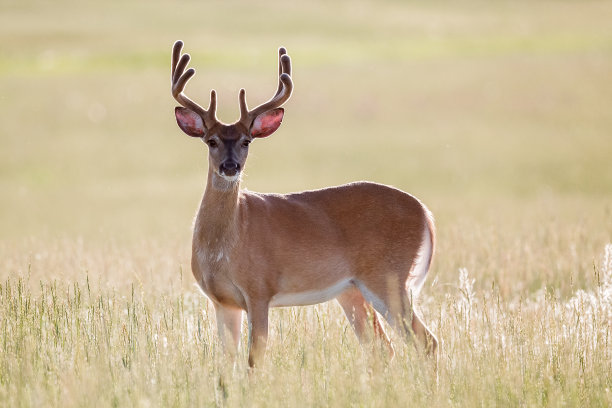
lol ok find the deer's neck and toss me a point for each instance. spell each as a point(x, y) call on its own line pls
point(216, 224)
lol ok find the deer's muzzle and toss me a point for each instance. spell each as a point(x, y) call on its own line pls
point(229, 168)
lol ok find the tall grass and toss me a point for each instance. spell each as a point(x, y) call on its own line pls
point(83, 344)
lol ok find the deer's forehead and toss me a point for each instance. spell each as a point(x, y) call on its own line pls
point(229, 133)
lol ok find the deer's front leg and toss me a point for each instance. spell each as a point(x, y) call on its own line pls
point(257, 314)
point(229, 321)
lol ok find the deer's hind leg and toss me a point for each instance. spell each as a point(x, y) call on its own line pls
point(391, 299)
point(360, 313)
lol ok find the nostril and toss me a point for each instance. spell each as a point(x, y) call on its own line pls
point(229, 166)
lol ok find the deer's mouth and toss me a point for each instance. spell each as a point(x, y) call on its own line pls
point(233, 177)
point(230, 171)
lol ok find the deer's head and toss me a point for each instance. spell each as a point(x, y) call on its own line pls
point(228, 145)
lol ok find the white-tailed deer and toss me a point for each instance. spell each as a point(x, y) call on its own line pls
point(364, 244)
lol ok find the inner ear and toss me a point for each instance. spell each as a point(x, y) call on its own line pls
point(266, 123)
point(189, 122)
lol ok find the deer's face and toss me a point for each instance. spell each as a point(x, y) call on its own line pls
point(228, 145)
point(228, 148)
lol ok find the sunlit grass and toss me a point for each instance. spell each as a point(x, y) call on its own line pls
point(85, 343)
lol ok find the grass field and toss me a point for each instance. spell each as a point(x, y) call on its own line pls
point(496, 114)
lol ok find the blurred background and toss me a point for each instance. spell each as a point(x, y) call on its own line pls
point(496, 114)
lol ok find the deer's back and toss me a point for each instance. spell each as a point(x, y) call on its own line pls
point(350, 212)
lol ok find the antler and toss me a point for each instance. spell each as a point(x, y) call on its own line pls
point(283, 92)
point(180, 77)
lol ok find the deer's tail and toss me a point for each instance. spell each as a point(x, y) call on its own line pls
point(422, 262)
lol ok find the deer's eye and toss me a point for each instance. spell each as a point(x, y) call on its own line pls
point(246, 143)
point(211, 143)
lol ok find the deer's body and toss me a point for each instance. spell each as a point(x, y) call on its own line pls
point(311, 246)
point(363, 244)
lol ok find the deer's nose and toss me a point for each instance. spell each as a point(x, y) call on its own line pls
point(229, 168)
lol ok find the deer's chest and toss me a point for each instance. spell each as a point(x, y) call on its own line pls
point(215, 270)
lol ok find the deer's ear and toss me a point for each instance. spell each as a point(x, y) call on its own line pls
point(266, 123)
point(189, 122)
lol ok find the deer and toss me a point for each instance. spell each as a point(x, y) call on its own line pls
point(367, 245)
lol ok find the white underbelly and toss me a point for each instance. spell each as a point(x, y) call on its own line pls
point(310, 297)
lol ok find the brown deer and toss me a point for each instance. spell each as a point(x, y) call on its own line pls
point(364, 244)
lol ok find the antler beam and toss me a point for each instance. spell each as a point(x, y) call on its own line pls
point(283, 92)
point(180, 77)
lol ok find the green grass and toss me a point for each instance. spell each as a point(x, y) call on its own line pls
point(496, 114)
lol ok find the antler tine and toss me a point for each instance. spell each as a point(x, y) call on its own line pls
point(180, 77)
point(284, 67)
point(283, 92)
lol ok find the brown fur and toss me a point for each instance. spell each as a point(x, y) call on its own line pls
point(353, 242)
point(308, 241)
